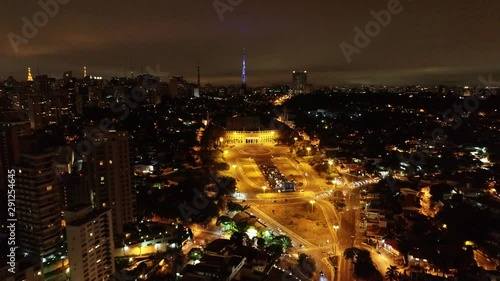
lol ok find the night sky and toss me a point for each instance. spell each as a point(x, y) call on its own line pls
point(429, 42)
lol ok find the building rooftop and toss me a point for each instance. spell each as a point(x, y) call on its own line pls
point(218, 246)
point(85, 217)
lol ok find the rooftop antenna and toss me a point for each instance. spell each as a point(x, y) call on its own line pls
point(199, 74)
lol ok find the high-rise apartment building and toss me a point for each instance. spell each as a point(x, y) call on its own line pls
point(173, 86)
point(90, 243)
point(13, 125)
point(110, 175)
point(37, 110)
point(38, 202)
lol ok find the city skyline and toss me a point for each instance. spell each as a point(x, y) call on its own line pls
point(451, 44)
point(229, 140)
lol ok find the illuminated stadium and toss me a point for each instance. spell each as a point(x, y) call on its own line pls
point(249, 130)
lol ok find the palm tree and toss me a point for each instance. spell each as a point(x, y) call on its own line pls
point(392, 273)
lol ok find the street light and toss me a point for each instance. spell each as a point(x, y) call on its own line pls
point(330, 163)
point(308, 150)
point(312, 205)
point(336, 227)
point(264, 188)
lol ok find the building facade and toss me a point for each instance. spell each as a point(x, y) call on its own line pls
point(251, 137)
point(38, 203)
point(90, 243)
point(12, 127)
point(110, 175)
point(249, 130)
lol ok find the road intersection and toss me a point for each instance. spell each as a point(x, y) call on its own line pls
point(244, 162)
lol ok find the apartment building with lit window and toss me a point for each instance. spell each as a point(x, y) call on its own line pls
point(110, 175)
point(89, 234)
point(38, 203)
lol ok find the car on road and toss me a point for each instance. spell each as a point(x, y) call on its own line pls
point(321, 273)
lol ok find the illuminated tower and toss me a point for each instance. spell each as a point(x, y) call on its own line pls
point(84, 71)
point(244, 71)
point(30, 78)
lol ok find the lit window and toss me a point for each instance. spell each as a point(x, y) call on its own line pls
point(49, 188)
point(110, 161)
point(101, 163)
point(102, 178)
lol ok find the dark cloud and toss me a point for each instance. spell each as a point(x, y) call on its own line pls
point(428, 42)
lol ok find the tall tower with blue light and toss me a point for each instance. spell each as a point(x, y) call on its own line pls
point(244, 72)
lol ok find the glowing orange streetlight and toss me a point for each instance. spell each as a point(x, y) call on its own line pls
point(312, 205)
